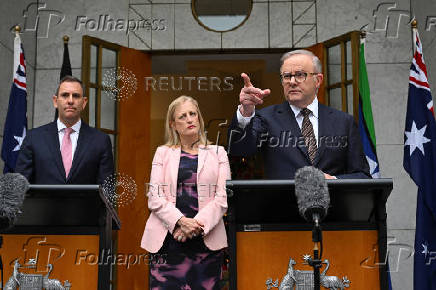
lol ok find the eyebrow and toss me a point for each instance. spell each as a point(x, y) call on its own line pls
point(67, 94)
point(190, 112)
point(294, 71)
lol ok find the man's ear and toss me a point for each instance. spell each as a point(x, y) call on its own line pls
point(319, 78)
point(55, 98)
point(85, 101)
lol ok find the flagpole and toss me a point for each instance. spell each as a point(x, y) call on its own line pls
point(66, 66)
point(362, 36)
point(17, 49)
point(414, 24)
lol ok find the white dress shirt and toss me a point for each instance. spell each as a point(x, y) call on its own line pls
point(74, 136)
point(313, 117)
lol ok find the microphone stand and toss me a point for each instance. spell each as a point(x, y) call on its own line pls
point(316, 261)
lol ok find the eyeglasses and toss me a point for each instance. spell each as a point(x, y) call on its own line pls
point(300, 76)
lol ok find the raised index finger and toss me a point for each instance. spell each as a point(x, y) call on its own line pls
point(247, 82)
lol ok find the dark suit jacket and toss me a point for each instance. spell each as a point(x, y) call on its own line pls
point(274, 131)
point(40, 159)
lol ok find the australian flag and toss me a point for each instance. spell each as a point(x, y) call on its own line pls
point(420, 162)
point(16, 119)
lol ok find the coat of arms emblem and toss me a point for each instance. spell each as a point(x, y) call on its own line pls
point(23, 281)
point(303, 280)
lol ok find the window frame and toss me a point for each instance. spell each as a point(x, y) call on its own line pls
point(354, 39)
point(87, 43)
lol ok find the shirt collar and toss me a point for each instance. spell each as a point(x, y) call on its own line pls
point(312, 107)
point(75, 127)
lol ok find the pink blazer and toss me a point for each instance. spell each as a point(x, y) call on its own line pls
point(212, 172)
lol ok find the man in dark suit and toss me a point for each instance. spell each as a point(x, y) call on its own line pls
point(299, 132)
point(66, 151)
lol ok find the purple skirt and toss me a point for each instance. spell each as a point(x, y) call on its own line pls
point(189, 265)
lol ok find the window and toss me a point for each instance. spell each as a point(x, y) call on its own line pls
point(341, 72)
point(99, 75)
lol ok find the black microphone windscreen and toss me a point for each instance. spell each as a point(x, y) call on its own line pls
point(13, 187)
point(311, 192)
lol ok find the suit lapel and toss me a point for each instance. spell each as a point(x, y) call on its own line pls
point(53, 137)
point(323, 119)
point(174, 169)
point(289, 123)
point(202, 155)
point(82, 144)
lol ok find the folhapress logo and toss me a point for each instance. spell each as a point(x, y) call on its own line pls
point(38, 18)
point(430, 23)
point(387, 18)
point(108, 23)
point(39, 252)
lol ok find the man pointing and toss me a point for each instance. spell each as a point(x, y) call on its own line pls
point(300, 131)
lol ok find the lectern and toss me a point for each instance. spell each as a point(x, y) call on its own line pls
point(69, 227)
point(267, 236)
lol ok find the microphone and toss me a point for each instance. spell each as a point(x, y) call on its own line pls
point(13, 187)
point(312, 194)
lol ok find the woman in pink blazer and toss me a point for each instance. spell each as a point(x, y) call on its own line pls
point(187, 200)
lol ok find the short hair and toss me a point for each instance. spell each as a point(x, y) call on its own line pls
point(316, 62)
point(172, 138)
point(70, 79)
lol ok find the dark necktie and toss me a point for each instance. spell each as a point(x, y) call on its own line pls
point(309, 136)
